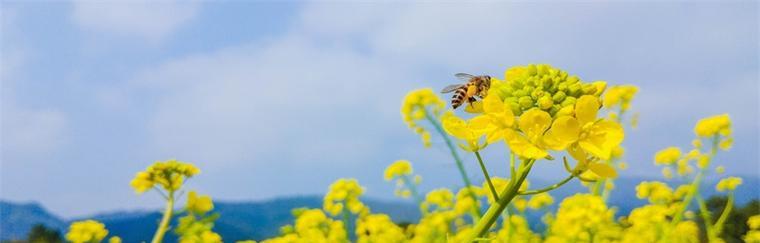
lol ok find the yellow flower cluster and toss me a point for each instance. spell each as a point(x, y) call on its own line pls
point(398, 169)
point(196, 226)
point(667, 156)
point(541, 86)
point(570, 125)
point(312, 226)
point(728, 184)
point(539, 201)
point(584, 218)
point(378, 228)
point(714, 125)
point(419, 105)
point(620, 95)
point(170, 175)
point(753, 235)
point(650, 224)
point(401, 172)
point(344, 195)
point(88, 231)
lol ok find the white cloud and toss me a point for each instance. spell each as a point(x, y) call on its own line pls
point(151, 20)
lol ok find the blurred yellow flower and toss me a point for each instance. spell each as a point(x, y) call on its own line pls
point(728, 184)
point(714, 125)
point(344, 195)
point(620, 95)
point(199, 204)
point(398, 169)
point(667, 156)
point(419, 105)
point(86, 231)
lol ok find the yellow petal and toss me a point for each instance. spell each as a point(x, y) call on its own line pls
point(522, 146)
point(564, 131)
point(586, 108)
point(534, 122)
point(493, 104)
point(456, 127)
point(602, 170)
point(480, 123)
point(474, 107)
point(494, 135)
point(602, 138)
point(579, 155)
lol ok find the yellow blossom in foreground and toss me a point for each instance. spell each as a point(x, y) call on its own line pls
point(728, 184)
point(378, 228)
point(441, 199)
point(714, 125)
point(313, 226)
point(344, 195)
point(667, 156)
point(114, 239)
point(753, 235)
point(86, 231)
point(530, 143)
point(464, 130)
point(420, 105)
point(584, 218)
point(170, 175)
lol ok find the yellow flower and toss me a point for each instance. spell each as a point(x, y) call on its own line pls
point(529, 144)
point(655, 191)
point(378, 228)
point(728, 184)
point(442, 199)
point(621, 95)
point(539, 201)
point(667, 156)
point(199, 204)
point(497, 118)
point(114, 239)
point(170, 175)
point(464, 130)
point(420, 105)
point(344, 195)
point(86, 231)
point(398, 169)
point(714, 125)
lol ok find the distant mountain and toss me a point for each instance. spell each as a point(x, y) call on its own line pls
point(238, 221)
point(259, 220)
point(16, 219)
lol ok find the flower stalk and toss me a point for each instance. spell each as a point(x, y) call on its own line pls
point(489, 218)
point(158, 237)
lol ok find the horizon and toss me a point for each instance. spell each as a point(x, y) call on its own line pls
point(263, 96)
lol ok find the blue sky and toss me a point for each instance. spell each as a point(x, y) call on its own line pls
point(272, 99)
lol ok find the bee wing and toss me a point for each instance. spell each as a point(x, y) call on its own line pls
point(451, 88)
point(464, 77)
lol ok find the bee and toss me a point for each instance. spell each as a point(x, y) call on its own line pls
point(474, 86)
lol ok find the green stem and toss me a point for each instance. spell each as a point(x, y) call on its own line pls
point(455, 155)
point(694, 187)
point(512, 172)
point(705, 213)
point(412, 188)
point(548, 188)
point(488, 177)
point(724, 215)
point(164, 225)
point(484, 224)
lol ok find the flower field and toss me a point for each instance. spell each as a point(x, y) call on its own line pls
point(533, 114)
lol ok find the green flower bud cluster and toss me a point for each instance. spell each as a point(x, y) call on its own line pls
point(544, 87)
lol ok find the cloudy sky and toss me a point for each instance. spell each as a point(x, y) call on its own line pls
point(274, 99)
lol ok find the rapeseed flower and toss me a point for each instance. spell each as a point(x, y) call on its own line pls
point(420, 105)
point(86, 231)
point(667, 156)
point(728, 184)
point(170, 175)
point(344, 195)
point(620, 95)
point(714, 125)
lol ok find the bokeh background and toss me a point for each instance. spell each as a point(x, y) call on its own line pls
point(274, 99)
